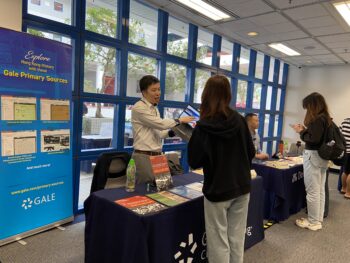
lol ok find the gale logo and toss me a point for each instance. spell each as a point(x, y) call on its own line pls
point(39, 200)
point(27, 203)
point(190, 246)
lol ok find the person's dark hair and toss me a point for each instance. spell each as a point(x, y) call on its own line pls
point(315, 106)
point(216, 97)
point(248, 116)
point(147, 81)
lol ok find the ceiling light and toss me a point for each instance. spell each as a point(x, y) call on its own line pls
point(252, 34)
point(205, 9)
point(284, 49)
point(344, 9)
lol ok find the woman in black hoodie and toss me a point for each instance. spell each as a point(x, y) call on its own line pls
point(221, 143)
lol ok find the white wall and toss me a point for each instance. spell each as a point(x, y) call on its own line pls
point(11, 14)
point(333, 82)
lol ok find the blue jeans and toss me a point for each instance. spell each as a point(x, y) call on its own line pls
point(315, 169)
point(225, 226)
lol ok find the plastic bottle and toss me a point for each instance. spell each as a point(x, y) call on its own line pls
point(130, 176)
point(285, 147)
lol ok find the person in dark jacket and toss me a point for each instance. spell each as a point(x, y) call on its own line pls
point(317, 120)
point(221, 143)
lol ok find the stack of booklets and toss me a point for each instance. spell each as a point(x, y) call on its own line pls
point(186, 192)
point(167, 198)
point(141, 205)
point(195, 186)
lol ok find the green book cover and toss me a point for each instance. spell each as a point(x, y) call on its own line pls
point(167, 198)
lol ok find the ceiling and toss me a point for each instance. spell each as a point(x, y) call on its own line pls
point(312, 27)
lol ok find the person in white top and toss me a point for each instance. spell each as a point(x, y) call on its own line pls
point(149, 129)
point(252, 120)
point(345, 128)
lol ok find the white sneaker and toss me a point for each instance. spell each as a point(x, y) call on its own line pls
point(304, 223)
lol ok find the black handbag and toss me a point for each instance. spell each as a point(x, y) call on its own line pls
point(333, 145)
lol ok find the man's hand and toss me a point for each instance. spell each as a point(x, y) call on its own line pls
point(186, 119)
point(261, 156)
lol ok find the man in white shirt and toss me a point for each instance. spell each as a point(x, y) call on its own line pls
point(149, 129)
point(253, 124)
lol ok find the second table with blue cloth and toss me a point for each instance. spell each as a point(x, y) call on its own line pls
point(116, 234)
point(284, 190)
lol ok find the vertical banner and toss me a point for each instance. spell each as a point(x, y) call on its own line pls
point(36, 190)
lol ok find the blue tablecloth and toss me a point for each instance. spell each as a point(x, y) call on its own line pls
point(284, 191)
point(115, 234)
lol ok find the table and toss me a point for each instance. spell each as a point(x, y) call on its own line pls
point(284, 190)
point(115, 234)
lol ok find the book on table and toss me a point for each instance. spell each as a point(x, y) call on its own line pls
point(141, 205)
point(186, 192)
point(197, 186)
point(161, 172)
point(167, 198)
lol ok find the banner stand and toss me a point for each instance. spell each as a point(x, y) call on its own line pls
point(35, 231)
point(36, 132)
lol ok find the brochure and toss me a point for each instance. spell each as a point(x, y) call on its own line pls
point(141, 205)
point(186, 192)
point(167, 198)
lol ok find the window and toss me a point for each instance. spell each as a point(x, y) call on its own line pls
point(143, 25)
point(274, 147)
point(35, 2)
point(271, 69)
point(204, 47)
point(244, 61)
point(259, 66)
point(268, 98)
point(241, 94)
point(138, 66)
point(280, 76)
point(50, 35)
point(278, 102)
point(128, 135)
point(266, 125)
point(264, 147)
point(58, 6)
point(175, 82)
point(97, 125)
point(226, 55)
point(100, 69)
point(177, 38)
point(56, 11)
point(86, 173)
point(101, 17)
point(275, 128)
point(201, 78)
point(257, 96)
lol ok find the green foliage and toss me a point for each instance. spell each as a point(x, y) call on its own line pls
point(102, 21)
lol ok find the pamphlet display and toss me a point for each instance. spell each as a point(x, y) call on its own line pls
point(167, 198)
point(186, 192)
point(161, 172)
point(36, 131)
point(141, 205)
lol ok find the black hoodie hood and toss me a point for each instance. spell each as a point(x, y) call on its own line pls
point(222, 126)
